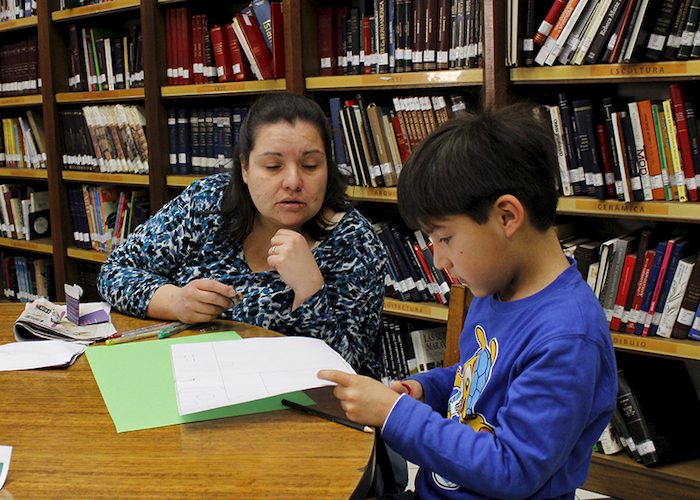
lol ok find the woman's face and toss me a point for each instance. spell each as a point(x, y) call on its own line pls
point(286, 174)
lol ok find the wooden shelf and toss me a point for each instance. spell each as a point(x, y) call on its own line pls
point(621, 477)
point(100, 96)
point(417, 310)
point(95, 10)
point(417, 79)
point(129, 179)
point(675, 348)
point(647, 210)
point(24, 173)
point(22, 100)
point(218, 89)
point(181, 181)
point(599, 73)
point(42, 245)
point(89, 255)
point(359, 193)
point(17, 24)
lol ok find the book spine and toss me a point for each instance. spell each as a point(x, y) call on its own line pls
point(678, 100)
point(549, 21)
point(689, 304)
point(634, 420)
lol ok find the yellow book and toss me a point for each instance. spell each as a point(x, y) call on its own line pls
point(675, 167)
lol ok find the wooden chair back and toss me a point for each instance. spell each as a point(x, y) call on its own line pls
point(460, 299)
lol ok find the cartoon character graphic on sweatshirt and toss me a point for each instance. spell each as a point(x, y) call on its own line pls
point(470, 381)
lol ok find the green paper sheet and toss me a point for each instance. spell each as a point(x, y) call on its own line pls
point(137, 384)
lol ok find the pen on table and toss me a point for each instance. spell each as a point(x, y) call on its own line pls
point(129, 338)
point(172, 330)
point(150, 328)
point(327, 416)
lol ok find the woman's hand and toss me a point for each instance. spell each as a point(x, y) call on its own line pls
point(291, 257)
point(199, 301)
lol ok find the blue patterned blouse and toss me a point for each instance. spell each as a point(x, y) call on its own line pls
point(180, 244)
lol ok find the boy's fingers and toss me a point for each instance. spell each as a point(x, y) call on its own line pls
point(336, 376)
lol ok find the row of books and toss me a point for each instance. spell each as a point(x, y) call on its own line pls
point(202, 140)
point(110, 138)
point(24, 212)
point(408, 348)
point(22, 143)
point(412, 275)
point(635, 151)
point(371, 142)
point(250, 47)
point(72, 4)
point(603, 31)
point(651, 397)
point(11, 10)
point(19, 68)
point(25, 279)
point(647, 282)
point(105, 59)
point(103, 216)
point(387, 36)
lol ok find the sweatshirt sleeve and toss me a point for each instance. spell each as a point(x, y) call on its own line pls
point(546, 412)
point(154, 252)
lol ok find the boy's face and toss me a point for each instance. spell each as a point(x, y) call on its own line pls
point(475, 254)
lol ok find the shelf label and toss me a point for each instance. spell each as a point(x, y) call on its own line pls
point(619, 207)
point(644, 343)
point(382, 192)
point(407, 307)
point(643, 69)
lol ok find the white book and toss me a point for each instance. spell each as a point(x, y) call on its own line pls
point(565, 32)
point(555, 118)
point(591, 31)
point(675, 296)
point(641, 151)
point(429, 347)
point(574, 39)
point(623, 186)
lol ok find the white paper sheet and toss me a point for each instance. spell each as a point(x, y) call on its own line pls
point(5, 455)
point(215, 374)
point(38, 354)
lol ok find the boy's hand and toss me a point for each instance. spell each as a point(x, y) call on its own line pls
point(416, 391)
point(365, 400)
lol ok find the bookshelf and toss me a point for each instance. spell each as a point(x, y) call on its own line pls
point(495, 82)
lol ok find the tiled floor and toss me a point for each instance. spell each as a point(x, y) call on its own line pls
point(580, 494)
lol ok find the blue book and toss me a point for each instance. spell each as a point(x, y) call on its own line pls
point(261, 13)
point(651, 284)
point(184, 155)
point(336, 104)
point(210, 160)
point(694, 332)
point(677, 253)
point(196, 157)
point(227, 139)
point(202, 142)
point(172, 138)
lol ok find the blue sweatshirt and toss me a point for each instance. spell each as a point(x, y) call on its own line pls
point(518, 416)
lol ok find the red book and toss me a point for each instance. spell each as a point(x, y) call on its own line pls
point(606, 154)
point(622, 29)
point(431, 35)
point(444, 21)
point(400, 139)
point(549, 21)
point(340, 12)
point(418, 43)
point(169, 34)
point(367, 44)
point(426, 270)
point(239, 64)
point(646, 320)
point(277, 26)
point(623, 290)
point(639, 292)
point(197, 50)
point(181, 44)
point(222, 57)
point(678, 99)
point(253, 46)
point(326, 41)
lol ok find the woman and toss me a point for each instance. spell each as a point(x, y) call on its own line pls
point(272, 244)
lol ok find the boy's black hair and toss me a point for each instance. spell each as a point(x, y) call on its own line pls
point(466, 164)
point(237, 207)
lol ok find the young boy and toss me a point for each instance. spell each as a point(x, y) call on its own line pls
point(536, 382)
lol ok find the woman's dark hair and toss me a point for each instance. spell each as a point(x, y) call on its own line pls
point(237, 207)
point(466, 164)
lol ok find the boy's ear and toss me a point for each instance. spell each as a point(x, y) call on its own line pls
point(511, 214)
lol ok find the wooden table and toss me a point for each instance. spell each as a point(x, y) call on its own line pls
point(65, 444)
